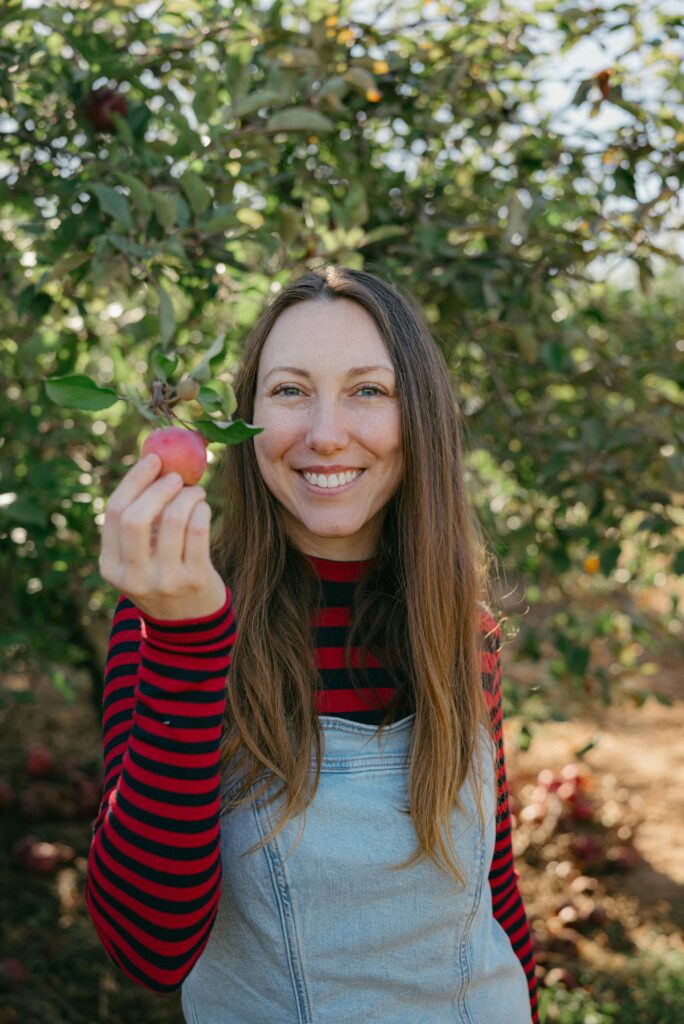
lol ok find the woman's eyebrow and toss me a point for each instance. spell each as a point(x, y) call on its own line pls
point(350, 373)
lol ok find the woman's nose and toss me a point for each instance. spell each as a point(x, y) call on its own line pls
point(327, 428)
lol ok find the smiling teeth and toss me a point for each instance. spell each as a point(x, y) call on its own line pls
point(334, 480)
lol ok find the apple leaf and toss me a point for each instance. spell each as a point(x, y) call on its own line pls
point(227, 431)
point(79, 392)
point(140, 194)
point(164, 208)
point(114, 204)
point(167, 317)
point(209, 399)
point(212, 358)
point(303, 119)
point(196, 191)
point(163, 365)
point(222, 217)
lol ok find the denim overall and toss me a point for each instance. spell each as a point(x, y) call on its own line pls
point(323, 933)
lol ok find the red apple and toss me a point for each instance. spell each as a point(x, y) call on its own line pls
point(13, 971)
point(40, 761)
point(37, 856)
point(587, 848)
point(548, 779)
point(560, 976)
point(100, 105)
point(181, 451)
point(42, 858)
point(622, 858)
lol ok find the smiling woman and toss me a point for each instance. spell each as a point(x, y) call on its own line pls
point(309, 818)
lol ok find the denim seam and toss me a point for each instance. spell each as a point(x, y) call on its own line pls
point(464, 958)
point(345, 765)
point(187, 985)
point(282, 893)
point(364, 728)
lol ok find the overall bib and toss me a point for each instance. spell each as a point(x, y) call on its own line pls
point(323, 933)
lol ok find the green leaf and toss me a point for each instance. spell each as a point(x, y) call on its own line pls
point(210, 400)
point(379, 234)
point(123, 129)
point(223, 217)
point(25, 510)
point(79, 392)
point(230, 401)
point(196, 191)
point(228, 431)
point(140, 194)
point(214, 356)
point(167, 317)
point(165, 208)
point(206, 97)
point(114, 204)
point(304, 119)
point(252, 218)
point(245, 105)
point(164, 364)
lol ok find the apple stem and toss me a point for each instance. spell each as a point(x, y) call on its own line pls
point(185, 423)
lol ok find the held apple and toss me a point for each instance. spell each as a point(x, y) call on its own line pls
point(181, 451)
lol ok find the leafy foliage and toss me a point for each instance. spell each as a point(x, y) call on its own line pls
point(254, 142)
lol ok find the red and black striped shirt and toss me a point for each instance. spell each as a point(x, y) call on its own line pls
point(154, 868)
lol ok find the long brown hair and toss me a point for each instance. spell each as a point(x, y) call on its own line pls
point(419, 609)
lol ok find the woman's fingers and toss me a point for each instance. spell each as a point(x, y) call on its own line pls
point(173, 526)
point(196, 554)
point(136, 521)
point(138, 478)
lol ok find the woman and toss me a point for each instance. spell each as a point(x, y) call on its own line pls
point(305, 813)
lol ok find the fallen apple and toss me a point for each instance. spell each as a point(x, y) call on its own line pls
point(40, 762)
point(560, 976)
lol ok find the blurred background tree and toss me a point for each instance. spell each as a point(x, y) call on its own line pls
point(166, 166)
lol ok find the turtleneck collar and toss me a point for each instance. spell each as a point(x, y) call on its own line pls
point(341, 572)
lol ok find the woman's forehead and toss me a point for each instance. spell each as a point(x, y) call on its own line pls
point(312, 333)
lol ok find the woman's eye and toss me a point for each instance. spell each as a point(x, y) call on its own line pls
point(285, 387)
point(292, 387)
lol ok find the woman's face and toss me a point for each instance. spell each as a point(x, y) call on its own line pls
point(326, 398)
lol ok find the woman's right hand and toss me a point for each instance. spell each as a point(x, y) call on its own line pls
point(173, 578)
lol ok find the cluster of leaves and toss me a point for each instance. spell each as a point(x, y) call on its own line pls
point(163, 169)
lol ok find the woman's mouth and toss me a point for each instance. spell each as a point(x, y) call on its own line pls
point(331, 483)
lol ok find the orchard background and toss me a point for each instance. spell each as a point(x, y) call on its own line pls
point(164, 168)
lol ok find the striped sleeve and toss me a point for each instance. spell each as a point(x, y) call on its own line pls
point(154, 868)
point(507, 902)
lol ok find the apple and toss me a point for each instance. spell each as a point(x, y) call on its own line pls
point(35, 855)
point(586, 848)
point(100, 105)
point(181, 451)
point(13, 971)
point(548, 779)
point(622, 858)
point(560, 976)
point(40, 762)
